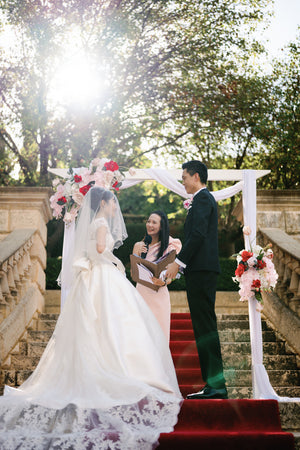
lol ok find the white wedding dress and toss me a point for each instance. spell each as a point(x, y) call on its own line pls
point(106, 379)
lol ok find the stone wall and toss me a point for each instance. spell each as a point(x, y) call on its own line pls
point(24, 207)
point(276, 209)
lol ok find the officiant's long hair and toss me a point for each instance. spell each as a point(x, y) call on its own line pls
point(164, 232)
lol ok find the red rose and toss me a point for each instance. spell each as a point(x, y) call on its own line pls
point(111, 165)
point(261, 264)
point(62, 200)
point(240, 270)
point(246, 255)
point(115, 186)
point(256, 284)
point(77, 178)
point(85, 189)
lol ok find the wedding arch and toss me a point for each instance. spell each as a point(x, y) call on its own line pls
point(246, 182)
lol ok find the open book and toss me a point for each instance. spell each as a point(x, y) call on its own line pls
point(142, 270)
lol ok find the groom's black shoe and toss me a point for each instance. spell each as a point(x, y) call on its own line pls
point(208, 393)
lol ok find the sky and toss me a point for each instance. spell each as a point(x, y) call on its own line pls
point(283, 27)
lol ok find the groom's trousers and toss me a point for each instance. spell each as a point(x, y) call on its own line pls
point(201, 293)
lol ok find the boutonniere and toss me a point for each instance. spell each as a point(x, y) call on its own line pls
point(187, 204)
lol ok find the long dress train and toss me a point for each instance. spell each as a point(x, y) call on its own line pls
point(106, 379)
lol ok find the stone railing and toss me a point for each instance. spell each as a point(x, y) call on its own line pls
point(24, 213)
point(283, 309)
point(15, 265)
point(21, 287)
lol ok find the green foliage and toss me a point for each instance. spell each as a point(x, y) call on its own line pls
point(282, 133)
point(225, 282)
point(149, 196)
point(52, 271)
point(160, 62)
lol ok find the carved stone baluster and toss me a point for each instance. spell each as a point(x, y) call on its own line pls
point(16, 278)
point(294, 301)
point(5, 307)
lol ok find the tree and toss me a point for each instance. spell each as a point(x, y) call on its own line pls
point(160, 62)
point(282, 134)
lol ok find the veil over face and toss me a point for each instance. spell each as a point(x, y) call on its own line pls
point(98, 202)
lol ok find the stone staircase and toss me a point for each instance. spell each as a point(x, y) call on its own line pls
point(280, 362)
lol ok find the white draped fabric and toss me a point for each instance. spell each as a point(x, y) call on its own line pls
point(163, 177)
point(262, 388)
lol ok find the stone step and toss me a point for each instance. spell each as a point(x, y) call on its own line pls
point(39, 336)
point(237, 377)
point(15, 377)
point(225, 335)
point(234, 378)
point(46, 325)
point(19, 362)
point(271, 362)
point(229, 348)
point(277, 377)
point(235, 392)
point(282, 362)
point(48, 316)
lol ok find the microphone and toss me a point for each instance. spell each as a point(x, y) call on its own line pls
point(147, 241)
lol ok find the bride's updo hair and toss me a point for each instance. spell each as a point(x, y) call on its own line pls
point(97, 195)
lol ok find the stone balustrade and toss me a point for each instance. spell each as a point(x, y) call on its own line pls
point(24, 213)
point(15, 265)
point(287, 262)
point(283, 306)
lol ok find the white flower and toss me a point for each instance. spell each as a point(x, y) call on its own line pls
point(246, 230)
point(256, 250)
point(251, 261)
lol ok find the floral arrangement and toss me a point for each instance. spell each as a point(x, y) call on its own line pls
point(70, 193)
point(187, 204)
point(255, 272)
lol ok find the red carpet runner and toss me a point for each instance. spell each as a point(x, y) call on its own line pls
point(217, 424)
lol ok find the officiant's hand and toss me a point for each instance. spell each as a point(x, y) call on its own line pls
point(158, 281)
point(172, 270)
point(139, 248)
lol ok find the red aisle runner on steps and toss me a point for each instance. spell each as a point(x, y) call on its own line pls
point(217, 424)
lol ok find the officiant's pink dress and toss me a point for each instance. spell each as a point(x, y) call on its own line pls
point(159, 301)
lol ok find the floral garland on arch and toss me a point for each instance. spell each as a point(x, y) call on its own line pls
point(69, 195)
point(255, 272)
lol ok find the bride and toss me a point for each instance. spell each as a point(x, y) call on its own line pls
point(106, 379)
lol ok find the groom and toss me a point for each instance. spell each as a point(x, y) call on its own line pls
point(199, 258)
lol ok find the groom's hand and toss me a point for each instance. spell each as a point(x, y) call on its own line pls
point(172, 270)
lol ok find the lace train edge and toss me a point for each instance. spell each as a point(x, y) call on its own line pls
point(127, 427)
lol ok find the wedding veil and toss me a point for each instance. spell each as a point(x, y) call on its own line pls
point(95, 204)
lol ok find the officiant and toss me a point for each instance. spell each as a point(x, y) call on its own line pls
point(157, 243)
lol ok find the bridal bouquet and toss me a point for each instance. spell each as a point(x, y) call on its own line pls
point(255, 272)
point(70, 193)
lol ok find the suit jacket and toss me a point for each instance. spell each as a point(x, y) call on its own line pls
point(200, 248)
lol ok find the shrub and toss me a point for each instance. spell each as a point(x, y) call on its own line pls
point(225, 282)
point(52, 271)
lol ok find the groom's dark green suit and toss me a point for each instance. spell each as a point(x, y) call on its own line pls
point(200, 254)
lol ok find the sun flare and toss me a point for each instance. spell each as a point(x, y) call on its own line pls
point(77, 81)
